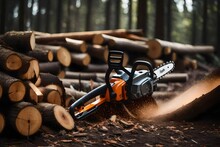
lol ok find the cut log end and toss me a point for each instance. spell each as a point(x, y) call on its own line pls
point(155, 49)
point(64, 57)
point(13, 62)
point(16, 91)
point(28, 121)
point(32, 72)
point(50, 56)
point(2, 123)
point(32, 41)
point(64, 118)
point(98, 39)
point(54, 97)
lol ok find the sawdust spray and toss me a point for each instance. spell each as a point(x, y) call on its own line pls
point(197, 90)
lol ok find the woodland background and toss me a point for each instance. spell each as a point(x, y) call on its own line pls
point(185, 21)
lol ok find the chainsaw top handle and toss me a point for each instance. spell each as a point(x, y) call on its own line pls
point(132, 74)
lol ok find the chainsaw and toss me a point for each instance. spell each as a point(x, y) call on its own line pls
point(127, 84)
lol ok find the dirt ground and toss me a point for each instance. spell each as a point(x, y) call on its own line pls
point(117, 130)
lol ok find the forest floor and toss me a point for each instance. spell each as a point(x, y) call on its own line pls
point(118, 130)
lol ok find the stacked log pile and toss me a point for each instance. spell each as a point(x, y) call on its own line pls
point(30, 98)
point(45, 73)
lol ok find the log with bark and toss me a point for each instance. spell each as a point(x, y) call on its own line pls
point(2, 122)
point(18, 65)
point(69, 100)
point(85, 76)
point(120, 44)
point(41, 55)
point(56, 116)
point(174, 77)
point(81, 59)
point(185, 63)
point(95, 68)
point(50, 96)
point(13, 89)
point(72, 45)
point(32, 71)
point(74, 93)
point(60, 53)
point(86, 36)
point(157, 44)
point(24, 118)
point(51, 81)
point(81, 85)
point(54, 68)
point(98, 52)
point(136, 37)
point(20, 41)
point(10, 60)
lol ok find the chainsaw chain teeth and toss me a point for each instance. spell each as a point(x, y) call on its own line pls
point(163, 65)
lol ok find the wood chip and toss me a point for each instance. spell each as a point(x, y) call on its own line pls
point(113, 118)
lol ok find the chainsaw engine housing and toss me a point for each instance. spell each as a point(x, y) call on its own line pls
point(142, 85)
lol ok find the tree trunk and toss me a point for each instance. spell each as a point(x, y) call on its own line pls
point(205, 20)
point(89, 15)
point(3, 15)
point(159, 24)
point(25, 118)
point(56, 116)
point(142, 15)
point(169, 20)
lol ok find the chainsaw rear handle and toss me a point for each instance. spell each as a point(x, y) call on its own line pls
point(145, 63)
point(115, 62)
point(75, 107)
